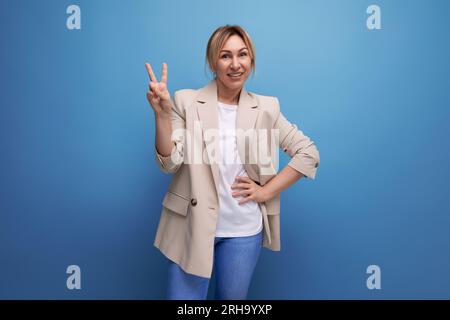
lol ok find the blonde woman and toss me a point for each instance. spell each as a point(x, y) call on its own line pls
point(223, 204)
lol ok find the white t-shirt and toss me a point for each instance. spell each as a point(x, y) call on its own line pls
point(235, 220)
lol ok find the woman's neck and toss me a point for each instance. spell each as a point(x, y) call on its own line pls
point(226, 95)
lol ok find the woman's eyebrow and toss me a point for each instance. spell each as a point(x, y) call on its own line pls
point(238, 50)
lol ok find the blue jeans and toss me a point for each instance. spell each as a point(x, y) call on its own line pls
point(234, 262)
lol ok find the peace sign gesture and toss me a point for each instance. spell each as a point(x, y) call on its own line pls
point(158, 95)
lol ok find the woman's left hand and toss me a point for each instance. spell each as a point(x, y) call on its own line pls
point(244, 186)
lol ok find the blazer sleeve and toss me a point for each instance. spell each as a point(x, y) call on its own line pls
point(304, 155)
point(172, 162)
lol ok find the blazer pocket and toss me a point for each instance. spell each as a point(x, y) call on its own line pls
point(176, 203)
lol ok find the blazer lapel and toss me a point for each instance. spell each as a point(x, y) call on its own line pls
point(247, 114)
point(209, 116)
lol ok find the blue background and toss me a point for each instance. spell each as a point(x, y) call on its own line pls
point(79, 183)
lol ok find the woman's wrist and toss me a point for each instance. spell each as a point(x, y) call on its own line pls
point(266, 193)
point(162, 116)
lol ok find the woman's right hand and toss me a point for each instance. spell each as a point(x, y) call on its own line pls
point(158, 95)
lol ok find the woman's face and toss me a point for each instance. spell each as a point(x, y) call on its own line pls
point(234, 64)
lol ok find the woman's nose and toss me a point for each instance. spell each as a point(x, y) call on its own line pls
point(235, 63)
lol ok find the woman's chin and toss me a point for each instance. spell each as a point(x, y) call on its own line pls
point(234, 84)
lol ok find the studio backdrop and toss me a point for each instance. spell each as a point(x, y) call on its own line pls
point(81, 193)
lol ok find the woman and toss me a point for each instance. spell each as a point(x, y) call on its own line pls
point(223, 203)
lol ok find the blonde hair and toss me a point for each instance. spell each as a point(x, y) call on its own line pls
point(218, 39)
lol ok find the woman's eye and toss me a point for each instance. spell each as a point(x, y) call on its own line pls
point(225, 56)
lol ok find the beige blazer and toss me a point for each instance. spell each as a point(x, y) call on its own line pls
point(190, 207)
